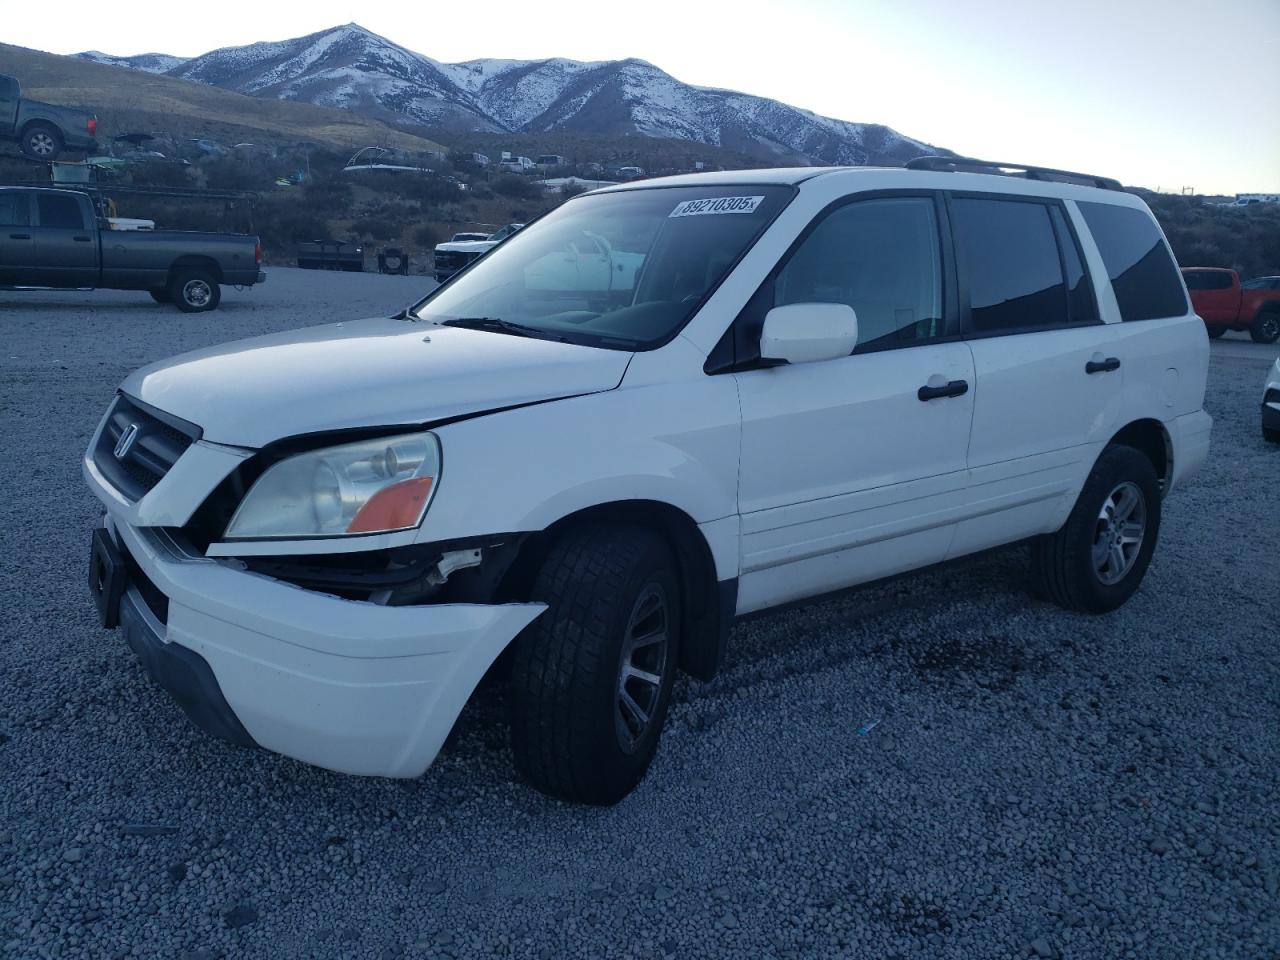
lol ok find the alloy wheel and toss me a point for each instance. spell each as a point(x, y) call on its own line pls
point(642, 667)
point(1118, 535)
point(41, 143)
point(197, 293)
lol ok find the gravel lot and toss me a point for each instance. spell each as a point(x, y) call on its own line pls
point(938, 766)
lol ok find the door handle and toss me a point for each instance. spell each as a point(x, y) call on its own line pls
point(953, 388)
point(1102, 366)
point(19, 236)
point(82, 239)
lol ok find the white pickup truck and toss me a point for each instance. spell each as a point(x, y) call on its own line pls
point(452, 256)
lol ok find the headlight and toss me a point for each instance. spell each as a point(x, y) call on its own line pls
point(373, 486)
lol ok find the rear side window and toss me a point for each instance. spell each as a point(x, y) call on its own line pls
point(1015, 274)
point(15, 210)
point(59, 211)
point(881, 257)
point(8, 88)
point(1143, 274)
point(1207, 280)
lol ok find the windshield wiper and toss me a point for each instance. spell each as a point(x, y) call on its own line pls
point(498, 325)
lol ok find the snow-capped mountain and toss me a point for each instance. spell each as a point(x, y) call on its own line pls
point(148, 62)
point(352, 68)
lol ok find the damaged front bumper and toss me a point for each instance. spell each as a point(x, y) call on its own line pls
point(348, 685)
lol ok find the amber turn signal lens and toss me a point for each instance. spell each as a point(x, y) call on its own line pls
point(395, 507)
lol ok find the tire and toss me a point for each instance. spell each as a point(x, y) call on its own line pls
point(194, 291)
point(1216, 332)
point(1070, 568)
point(161, 295)
point(42, 141)
point(1270, 435)
point(1266, 328)
point(571, 733)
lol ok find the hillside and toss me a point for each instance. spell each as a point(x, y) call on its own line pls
point(127, 100)
point(353, 68)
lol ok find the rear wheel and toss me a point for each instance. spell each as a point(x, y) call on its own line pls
point(1099, 557)
point(591, 677)
point(1271, 435)
point(1216, 332)
point(42, 141)
point(194, 291)
point(1266, 329)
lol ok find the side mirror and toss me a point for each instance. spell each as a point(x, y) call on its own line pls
point(804, 332)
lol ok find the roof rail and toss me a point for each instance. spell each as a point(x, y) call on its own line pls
point(1027, 172)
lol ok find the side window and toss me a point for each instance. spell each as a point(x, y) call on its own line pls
point(15, 209)
point(882, 258)
point(60, 211)
point(1142, 271)
point(1081, 303)
point(1014, 270)
point(8, 88)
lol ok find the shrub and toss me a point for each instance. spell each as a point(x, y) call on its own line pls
point(427, 236)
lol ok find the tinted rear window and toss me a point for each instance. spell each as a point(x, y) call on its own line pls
point(59, 211)
point(1142, 271)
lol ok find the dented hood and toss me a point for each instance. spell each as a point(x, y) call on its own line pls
point(365, 373)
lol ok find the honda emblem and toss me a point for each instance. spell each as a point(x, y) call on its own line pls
point(125, 443)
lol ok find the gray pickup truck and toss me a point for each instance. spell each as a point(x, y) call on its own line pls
point(44, 130)
point(52, 238)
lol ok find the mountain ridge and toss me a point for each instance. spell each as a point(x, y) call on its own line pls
point(352, 68)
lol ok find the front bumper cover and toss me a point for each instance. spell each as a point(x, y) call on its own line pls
point(347, 685)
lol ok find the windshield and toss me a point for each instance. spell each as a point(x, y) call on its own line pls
point(623, 270)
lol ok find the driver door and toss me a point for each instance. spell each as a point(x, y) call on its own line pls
point(849, 470)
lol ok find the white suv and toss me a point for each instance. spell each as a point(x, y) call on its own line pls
point(319, 541)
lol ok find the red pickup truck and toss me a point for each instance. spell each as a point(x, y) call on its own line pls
point(1223, 303)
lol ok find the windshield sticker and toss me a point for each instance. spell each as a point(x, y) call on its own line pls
point(696, 208)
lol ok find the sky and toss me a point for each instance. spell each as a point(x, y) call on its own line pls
point(1166, 94)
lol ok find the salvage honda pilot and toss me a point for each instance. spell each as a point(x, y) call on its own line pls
point(660, 407)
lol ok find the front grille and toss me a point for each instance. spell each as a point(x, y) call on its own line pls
point(159, 440)
point(453, 260)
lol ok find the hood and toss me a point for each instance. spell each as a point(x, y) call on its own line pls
point(466, 246)
point(366, 373)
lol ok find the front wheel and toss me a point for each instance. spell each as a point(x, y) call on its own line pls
point(1099, 557)
point(1266, 329)
point(160, 295)
point(591, 677)
point(1215, 332)
point(194, 291)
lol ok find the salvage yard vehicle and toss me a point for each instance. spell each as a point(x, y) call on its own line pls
point(465, 248)
point(44, 130)
point(319, 541)
point(53, 239)
point(1271, 405)
point(1224, 303)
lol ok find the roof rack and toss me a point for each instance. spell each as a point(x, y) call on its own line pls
point(970, 165)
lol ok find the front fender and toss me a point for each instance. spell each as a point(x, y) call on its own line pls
point(522, 470)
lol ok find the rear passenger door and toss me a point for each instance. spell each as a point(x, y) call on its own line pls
point(849, 469)
point(1048, 372)
point(66, 251)
point(17, 249)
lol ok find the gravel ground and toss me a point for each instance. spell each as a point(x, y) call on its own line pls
point(938, 766)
